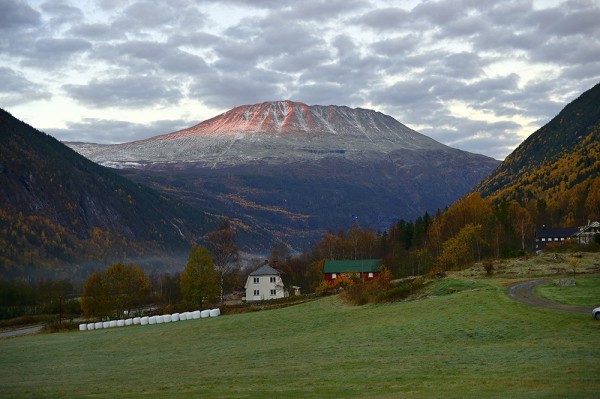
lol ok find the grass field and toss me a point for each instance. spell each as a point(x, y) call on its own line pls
point(585, 292)
point(467, 340)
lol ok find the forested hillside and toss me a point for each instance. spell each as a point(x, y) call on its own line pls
point(58, 209)
point(555, 172)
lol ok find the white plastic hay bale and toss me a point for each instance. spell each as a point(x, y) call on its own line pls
point(215, 312)
point(90, 326)
point(167, 318)
point(144, 321)
point(121, 323)
point(112, 323)
point(105, 324)
point(98, 325)
point(182, 316)
point(205, 313)
point(128, 322)
point(137, 320)
point(196, 314)
point(189, 315)
point(175, 317)
point(83, 327)
point(152, 320)
point(160, 319)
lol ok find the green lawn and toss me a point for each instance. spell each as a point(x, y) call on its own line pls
point(476, 343)
point(586, 292)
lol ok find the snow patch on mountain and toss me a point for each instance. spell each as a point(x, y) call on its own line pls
point(276, 132)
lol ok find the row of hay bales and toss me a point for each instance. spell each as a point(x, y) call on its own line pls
point(148, 320)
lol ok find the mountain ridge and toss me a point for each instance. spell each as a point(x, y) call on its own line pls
point(57, 207)
point(556, 170)
point(299, 171)
point(256, 132)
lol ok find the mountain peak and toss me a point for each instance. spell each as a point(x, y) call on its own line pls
point(288, 117)
point(276, 131)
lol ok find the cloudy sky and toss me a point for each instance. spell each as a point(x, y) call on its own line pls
point(477, 75)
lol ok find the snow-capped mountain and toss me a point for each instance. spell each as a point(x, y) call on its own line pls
point(296, 171)
point(279, 132)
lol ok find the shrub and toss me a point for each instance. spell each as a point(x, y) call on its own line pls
point(488, 265)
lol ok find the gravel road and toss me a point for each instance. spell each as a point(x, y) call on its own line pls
point(20, 331)
point(523, 292)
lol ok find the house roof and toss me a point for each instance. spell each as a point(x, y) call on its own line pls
point(352, 266)
point(549, 232)
point(589, 227)
point(265, 270)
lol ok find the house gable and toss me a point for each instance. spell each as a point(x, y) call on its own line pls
point(264, 284)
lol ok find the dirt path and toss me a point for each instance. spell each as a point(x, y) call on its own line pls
point(20, 331)
point(523, 292)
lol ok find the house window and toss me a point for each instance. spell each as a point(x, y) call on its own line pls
point(256, 292)
point(370, 275)
point(256, 279)
point(543, 239)
point(333, 275)
point(555, 239)
point(273, 279)
point(273, 292)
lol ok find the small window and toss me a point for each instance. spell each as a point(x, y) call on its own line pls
point(273, 279)
point(273, 292)
point(333, 275)
point(370, 275)
point(256, 292)
point(556, 239)
point(256, 280)
point(543, 239)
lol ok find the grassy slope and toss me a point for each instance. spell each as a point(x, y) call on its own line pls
point(474, 343)
point(585, 292)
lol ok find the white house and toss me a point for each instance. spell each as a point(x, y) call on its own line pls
point(264, 284)
point(586, 234)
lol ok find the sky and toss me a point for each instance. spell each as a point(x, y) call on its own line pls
point(477, 75)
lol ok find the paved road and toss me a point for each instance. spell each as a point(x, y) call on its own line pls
point(523, 292)
point(21, 331)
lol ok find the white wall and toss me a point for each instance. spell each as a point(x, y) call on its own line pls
point(264, 287)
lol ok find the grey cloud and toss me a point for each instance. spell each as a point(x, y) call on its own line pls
point(62, 13)
point(326, 93)
point(103, 131)
point(95, 31)
point(438, 12)
point(49, 53)
point(399, 46)
point(17, 14)
point(300, 61)
point(16, 89)
point(320, 10)
point(491, 139)
point(384, 19)
point(146, 57)
point(255, 86)
point(133, 91)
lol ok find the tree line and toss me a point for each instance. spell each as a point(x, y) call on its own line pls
point(470, 230)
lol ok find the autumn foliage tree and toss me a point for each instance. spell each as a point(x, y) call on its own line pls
point(115, 292)
point(199, 279)
point(225, 253)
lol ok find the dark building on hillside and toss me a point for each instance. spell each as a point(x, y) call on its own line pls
point(546, 235)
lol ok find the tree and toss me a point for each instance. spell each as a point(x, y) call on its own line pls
point(225, 253)
point(115, 292)
point(314, 274)
point(199, 279)
point(94, 301)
